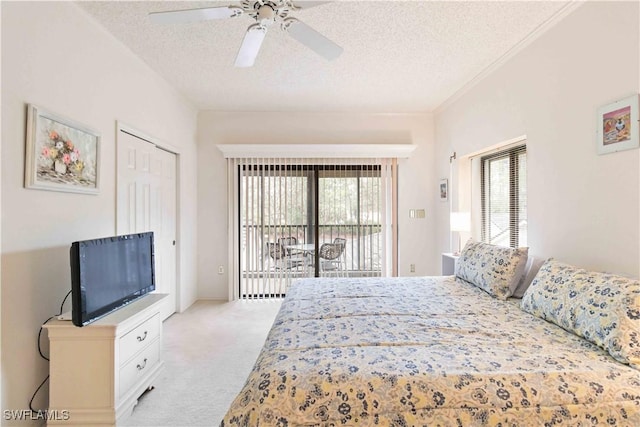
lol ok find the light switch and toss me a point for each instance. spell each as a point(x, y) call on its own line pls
point(416, 213)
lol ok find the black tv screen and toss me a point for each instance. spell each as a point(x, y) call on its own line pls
point(108, 273)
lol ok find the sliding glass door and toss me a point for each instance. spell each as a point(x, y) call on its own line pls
point(272, 206)
point(307, 220)
point(349, 208)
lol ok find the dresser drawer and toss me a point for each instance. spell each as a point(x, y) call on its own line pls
point(138, 338)
point(139, 366)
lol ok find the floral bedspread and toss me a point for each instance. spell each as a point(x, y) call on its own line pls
point(426, 351)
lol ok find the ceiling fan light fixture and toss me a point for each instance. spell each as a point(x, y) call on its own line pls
point(266, 15)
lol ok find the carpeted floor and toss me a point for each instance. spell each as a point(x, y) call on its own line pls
point(209, 351)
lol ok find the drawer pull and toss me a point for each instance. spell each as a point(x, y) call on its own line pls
point(141, 367)
point(142, 338)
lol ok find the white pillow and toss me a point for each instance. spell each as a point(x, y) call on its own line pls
point(530, 271)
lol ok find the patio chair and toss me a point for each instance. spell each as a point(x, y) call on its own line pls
point(287, 241)
point(331, 256)
point(341, 241)
point(283, 261)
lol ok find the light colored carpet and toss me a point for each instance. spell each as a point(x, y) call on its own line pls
point(209, 351)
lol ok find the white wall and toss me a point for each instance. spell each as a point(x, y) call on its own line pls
point(416, 176)
point(1, 360)
point(583, 208)
point(55, 56)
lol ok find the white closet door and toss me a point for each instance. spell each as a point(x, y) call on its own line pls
point(165, 236)
point(146, 201)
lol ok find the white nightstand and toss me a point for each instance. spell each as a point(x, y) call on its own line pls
point(449, 264)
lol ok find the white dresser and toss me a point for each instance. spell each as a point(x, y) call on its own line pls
point(98, 372)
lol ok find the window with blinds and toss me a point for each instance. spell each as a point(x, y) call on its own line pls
point(504, 197)
point(310, 218)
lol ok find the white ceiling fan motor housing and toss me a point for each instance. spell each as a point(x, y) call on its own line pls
point(266, 15)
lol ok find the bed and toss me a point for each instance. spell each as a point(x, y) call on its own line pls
point(451, 351)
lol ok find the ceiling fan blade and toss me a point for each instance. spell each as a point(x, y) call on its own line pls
point(194, 15)
point(308, 4)
point(250, 47)
point(312, 39)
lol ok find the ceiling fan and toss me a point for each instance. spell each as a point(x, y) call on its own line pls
point(265, 13)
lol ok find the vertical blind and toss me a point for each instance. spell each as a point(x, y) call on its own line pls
point(504, 197)
point(285, 210)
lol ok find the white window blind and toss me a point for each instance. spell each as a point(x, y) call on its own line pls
point(298, 218)
point(504, 197)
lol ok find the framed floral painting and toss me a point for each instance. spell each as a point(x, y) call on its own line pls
point(618, 126)
point(61, 155)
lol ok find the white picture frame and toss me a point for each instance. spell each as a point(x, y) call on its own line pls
point(444, 190)
point(618, 126)
point(61, 154)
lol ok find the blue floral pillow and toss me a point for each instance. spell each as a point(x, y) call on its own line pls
point(600, 307)
point(495, 269)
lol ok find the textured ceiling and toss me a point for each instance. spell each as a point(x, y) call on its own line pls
point(399, 56)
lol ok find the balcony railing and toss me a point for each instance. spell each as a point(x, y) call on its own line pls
point(361, 256)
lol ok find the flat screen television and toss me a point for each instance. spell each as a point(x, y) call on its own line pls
point(108, 273)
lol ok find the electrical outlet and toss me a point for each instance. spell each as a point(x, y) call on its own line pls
point(221, 269)
point(412, 268)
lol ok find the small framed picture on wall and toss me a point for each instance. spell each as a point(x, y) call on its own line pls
point(444, 190)
point(61, 154)
point(618, 126)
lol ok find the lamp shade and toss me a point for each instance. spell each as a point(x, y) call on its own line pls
point(460, 221)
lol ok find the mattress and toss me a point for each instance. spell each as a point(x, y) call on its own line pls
point(426, 351)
